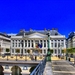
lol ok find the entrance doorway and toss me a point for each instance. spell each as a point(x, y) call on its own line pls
point(1, 70)
point(16, 70)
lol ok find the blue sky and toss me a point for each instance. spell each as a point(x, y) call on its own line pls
point(16, 15)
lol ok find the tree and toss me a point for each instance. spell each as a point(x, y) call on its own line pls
point(51, 50)
point(7, 50)
point(28, 51)
point(17, 51)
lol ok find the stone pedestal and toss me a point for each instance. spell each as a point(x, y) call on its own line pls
point(7, 73)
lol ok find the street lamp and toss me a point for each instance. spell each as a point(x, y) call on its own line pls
point(48, 57)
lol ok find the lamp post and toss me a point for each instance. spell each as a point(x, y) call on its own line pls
point(48, 57)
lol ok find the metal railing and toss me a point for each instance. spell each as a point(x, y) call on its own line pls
point(39, 68)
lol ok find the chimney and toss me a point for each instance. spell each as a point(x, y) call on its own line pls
point(45, 29)
point(24, 34)
point(30, 29)
point(56, 29)
point(52, 28)
point(5, 33)
point(22, 30)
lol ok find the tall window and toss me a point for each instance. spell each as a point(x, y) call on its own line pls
point(41, 42)
point(44, 43)
point(12, 44)
point(51, 44)
point(58, 44)
point(55, 44)
point(31, 43)
point(25, 43)
point(25, 50)
point(28, 43)
point(55, 51)
point(58, 51)
point(44, 51)
point(12, 50)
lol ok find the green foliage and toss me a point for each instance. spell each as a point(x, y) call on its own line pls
point(17, 50)
point(51, 50)
point(62, 51)
point(32, 68)
point(71, 50)
point(28, 51)
point(7, 50)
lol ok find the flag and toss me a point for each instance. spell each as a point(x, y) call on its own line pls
point(36, 46)
point(40, 45)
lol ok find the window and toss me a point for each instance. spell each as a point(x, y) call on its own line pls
point(55, 51)
point(12, 44)
point(25, 43)
point(58, 44)
point(28, 43)
point(44, 51)
point(31, 43)
point(41, 42)
point(44, 43)
point(51, 44)
point(25, 50)
point(16, 44)
point(55, 44)
point(62, 44)
point(58, 51)
point(12, 50)
point(6, 67)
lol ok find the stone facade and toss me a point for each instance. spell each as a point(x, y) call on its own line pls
point(25, 40)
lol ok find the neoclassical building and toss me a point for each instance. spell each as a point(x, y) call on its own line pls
point(71, 40)
point(34, 39)
point(4, 42)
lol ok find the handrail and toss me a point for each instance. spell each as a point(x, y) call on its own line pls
point(40, 68)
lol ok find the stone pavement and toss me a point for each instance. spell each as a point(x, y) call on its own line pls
point(62, 67)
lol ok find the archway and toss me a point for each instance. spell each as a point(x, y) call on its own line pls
point(16, 70)
point(1, 70)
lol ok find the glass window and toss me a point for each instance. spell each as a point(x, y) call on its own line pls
point(44, 51)
point(55, 44)
point(51, 44)
point(12, 50)
point(25, 50)
point(6, 67)
point(55, 51)
point(58, 44)
point(58, 51)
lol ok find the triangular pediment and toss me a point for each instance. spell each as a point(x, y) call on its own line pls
point(36, 35)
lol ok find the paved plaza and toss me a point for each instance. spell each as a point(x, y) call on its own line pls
point(62, 67)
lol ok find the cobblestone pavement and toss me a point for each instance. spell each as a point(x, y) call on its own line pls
point(62, 67)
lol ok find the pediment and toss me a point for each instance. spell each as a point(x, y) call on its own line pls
point(36, 35)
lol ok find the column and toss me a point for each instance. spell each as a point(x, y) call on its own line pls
point(27, 43)
point(43, 43)
point(57, 47)
point(34, 43)
point(60, 47)
point(7, 73)
point(46, 44)
point(23, 46)
point(54, 46)
point(30, 44)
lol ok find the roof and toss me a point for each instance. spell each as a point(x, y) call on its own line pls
point(52, 32)
point(5, 35)
point(71, 35)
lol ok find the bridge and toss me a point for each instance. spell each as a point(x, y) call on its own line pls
point(19, 67)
